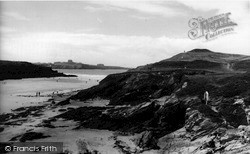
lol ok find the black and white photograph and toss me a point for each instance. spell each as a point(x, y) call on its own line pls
point(125, 77)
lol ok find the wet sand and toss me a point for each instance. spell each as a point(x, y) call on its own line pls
point(63, 130)
point(18, 93)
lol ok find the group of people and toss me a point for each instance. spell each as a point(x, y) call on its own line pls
point(53, 93)
point(3, 82)
point(38, 94)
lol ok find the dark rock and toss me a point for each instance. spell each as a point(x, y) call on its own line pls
point(46, 123)
point(133, 88)
point(5, 117)
point(53, 102)
point(70, 108)
point(17, 122)
point(65, 102)
point(62, 110)
point(20, 109)
point(31, 110)
point(31, 136)
point(233, 113)
point(146, 140)
point(143, 117)
point(123, 147)
point(1, 129)
point(201, 120)
point(247, 101)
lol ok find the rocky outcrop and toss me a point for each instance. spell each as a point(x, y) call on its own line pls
point(19, 70)
point(201, 121)
point(220, 127)
point(234, 114)
point(29, 136)
point(146, 140)
point(157, 103)
point(135, 120)
point(132, 88)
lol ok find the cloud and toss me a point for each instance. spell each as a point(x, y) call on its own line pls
point(140, 17)
point(102, 8)
point(125, 50)
point(15, 15)
point(129, 51)
point(163, 8)
point(4, 29)
point(89, 48)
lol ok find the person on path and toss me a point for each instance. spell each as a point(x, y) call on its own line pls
point(206, 97)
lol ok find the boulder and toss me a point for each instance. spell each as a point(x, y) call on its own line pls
point(146, 140)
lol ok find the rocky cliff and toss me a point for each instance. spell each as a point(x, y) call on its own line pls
point(166, 108)
point(161, 103)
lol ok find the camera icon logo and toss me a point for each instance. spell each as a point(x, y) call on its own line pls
point(7, 148)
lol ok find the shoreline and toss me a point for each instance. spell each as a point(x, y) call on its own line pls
point(46, 123)
point(161, 124)
point(18, 93)
point(36, 121)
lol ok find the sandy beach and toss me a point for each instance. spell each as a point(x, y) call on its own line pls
point(62, 130)
point(88, 122)
point(22, 112)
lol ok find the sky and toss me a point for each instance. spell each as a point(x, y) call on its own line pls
point(116, 32)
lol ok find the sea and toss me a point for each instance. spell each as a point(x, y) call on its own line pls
point(24, 92)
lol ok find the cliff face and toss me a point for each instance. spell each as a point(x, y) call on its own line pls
point(166, 106)
point(132, 88)
point(19, 70)
point(158, 104)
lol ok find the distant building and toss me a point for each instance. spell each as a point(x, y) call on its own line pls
point(57, 63)
point(70, 61)
point(100, 65)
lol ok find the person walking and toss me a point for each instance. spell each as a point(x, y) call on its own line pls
point(206, 97)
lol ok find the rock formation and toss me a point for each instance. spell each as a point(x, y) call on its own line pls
point(19, 70)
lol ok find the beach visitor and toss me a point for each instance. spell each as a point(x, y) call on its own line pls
point(206, 97)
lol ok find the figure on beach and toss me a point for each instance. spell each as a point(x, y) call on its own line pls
point(38, 94)
point(206, 97)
